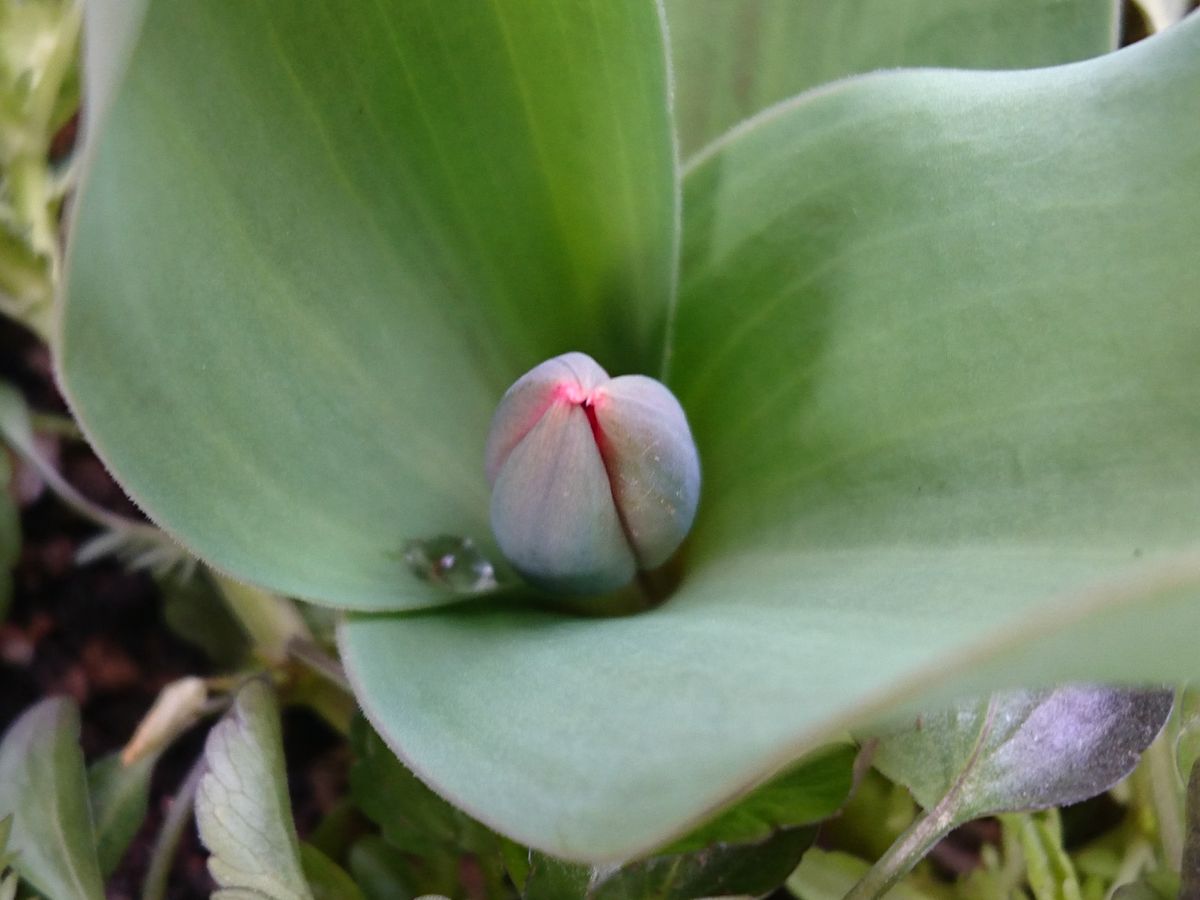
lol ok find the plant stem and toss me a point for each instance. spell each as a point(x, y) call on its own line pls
point(154, 887)
point(1164, 799)
point(1189, 875)
point(310, 654)
point(908, 850)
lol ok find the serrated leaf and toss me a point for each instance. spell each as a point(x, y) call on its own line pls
point(242, 806)
point(120, 795)
point(412, 817)
point(734, 58)
point(1024, 750)
point(811, 790)
point(43, 786)
point(721, 870)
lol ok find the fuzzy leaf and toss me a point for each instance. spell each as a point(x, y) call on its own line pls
point(242, 807)
point(43, 786)
point(1024, 750)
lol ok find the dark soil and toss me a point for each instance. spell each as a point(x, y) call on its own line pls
point(96, 633)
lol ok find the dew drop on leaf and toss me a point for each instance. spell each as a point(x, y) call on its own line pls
point(452, 562)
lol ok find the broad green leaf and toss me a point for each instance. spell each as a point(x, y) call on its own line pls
point(120, 795)
point(327, 879)
point(734, 58)
point(722, 870)
point(43, 786)
point(242, 807)
point(315, 243)
point(937, 340)
point(1023, 750)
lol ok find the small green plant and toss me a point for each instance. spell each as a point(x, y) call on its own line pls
point(929, 334)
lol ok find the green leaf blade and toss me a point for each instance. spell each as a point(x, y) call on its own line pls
point(348, 218)
point(43, 785)
point(120, 796)
point(733, 60)
point(962, 401)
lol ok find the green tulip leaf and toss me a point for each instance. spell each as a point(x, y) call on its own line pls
point(120, 796)
point(243, 812)
point(314, 245)
point(937, 341)
point(734, 58)
point(43, 786)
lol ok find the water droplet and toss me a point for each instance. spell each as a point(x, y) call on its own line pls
point(451, 562)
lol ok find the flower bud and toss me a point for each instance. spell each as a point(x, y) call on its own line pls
point(593, 478)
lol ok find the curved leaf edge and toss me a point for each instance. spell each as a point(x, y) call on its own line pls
point(777, 110)
point(965, 673)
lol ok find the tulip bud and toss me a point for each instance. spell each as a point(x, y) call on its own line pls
point(593, 478)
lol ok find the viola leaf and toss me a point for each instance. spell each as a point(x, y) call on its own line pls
point(720, 870)
point(1024, 750)
point(43, 786)
point(811, 790)
point(242, 808)
point(733, 60)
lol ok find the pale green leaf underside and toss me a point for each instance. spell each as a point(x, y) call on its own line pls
point(242, 807)
point(43, 786)
point(937, 337)
point(317, 241)
point(734, 58)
